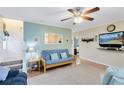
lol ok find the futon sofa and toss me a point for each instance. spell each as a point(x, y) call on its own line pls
point(113, 76)
point(54, 58)
point(15, 77)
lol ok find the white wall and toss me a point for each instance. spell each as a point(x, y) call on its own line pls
point(15, 42)
point(89, 50)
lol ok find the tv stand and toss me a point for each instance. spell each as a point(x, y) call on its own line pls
point(111, 48)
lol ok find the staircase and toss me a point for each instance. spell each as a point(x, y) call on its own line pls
point(13, 64)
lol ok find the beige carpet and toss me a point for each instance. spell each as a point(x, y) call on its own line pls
point(82, 74)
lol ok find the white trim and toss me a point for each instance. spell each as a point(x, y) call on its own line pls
point(94, 61)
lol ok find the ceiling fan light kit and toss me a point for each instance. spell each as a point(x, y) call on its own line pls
point(79, 15)
point(78, 19)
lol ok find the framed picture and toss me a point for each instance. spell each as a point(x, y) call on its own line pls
point(53, 38)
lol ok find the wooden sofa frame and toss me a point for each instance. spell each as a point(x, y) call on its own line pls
point(46, 66)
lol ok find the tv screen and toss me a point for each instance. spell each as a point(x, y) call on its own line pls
point(111, 39)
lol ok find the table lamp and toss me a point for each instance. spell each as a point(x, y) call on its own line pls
point(31, 50)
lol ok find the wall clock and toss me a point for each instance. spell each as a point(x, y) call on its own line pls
point(111, 28)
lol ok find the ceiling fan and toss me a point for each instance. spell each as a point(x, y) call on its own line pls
point(80, 15)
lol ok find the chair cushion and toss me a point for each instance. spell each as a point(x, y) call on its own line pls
point(15, 81)
point(116, 81)
point(55, 61)
point(109, 74)
point(13, 73)
point(113, 75)
point(46, 53)
point(19, 81)
point(63, 55)
point(54, 56)
point(4, 73)
point(120, 74)
point(67, 59)
point(15, 78)
point(52, 61)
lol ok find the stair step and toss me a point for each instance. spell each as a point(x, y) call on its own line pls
point(11, 63)
point(15, 66)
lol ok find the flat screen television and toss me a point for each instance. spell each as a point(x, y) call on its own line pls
point(114, 39)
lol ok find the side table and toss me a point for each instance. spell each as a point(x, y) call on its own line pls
point(34, 61)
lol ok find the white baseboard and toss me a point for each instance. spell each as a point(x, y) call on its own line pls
point(94, 61)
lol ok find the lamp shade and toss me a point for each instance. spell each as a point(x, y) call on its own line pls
point(31, 49)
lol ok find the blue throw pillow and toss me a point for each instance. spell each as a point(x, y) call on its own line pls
point(54, 56)
point(63, 55)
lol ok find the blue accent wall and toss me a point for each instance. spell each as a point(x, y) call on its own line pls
point(33, 30)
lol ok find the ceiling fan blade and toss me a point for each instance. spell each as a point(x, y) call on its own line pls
point(72, 11)
point(87, 18)
point(66, 19)
point(91, 10)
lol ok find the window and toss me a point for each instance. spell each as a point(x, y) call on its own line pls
point(4, 45)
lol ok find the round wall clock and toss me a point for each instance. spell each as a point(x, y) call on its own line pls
point(111, 28)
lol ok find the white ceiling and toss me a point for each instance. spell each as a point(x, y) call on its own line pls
point(53, 15)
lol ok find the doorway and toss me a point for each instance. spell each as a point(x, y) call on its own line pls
point(76, 45)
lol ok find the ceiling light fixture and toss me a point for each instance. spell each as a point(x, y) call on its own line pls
point(78, 19)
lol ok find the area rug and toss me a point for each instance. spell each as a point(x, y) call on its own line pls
point(82, 74)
